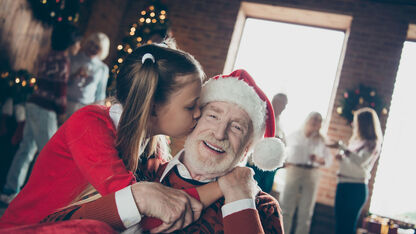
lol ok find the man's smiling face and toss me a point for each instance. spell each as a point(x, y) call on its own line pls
point(219, 140)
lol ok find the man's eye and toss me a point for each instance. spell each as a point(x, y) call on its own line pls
point(238, 128)
point(212, 116)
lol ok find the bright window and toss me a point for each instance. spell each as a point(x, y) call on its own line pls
point(394, 193)
point(300, 61)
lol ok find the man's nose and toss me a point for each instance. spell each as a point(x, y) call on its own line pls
point(220, 132)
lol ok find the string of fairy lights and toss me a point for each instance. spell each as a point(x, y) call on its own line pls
point(17, 85)
point(19, 80)
point(153, 20)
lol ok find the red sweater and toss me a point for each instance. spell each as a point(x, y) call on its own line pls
point(266, 219)
point(81, 152)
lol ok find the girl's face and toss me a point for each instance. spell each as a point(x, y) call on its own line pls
point(178, 116)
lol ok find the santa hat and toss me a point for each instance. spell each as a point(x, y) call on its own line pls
point(239, 88)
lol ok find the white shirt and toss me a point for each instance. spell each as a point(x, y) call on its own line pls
point(299, 148)
point(356, 167)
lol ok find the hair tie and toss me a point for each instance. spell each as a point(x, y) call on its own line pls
point(148, 56)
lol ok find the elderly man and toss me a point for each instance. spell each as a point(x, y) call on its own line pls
point(236, 115)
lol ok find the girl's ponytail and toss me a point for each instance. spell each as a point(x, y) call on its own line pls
point(132, 129)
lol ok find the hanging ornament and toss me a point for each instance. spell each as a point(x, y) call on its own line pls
point(54, 11)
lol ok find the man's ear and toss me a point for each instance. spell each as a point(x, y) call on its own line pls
point(246, 150)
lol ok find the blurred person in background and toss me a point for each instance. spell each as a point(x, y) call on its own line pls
point(44, 106)
point(306, 153)
point(356, 162)
point(89, 75)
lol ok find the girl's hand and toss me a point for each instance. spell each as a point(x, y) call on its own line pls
point(174, 207)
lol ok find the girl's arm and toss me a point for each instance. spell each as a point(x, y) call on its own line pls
point(90, 137)
point(105, 208)
point(363, 156)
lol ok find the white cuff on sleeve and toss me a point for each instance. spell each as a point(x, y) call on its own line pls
point(237, 206)
point(126, 207)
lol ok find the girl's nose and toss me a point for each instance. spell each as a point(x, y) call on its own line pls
point(197, 113)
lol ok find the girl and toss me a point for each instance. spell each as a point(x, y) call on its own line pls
point(356, 162)
point(101, 149)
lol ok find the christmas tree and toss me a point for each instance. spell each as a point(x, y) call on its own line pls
point(56, 11)
point(152, 26)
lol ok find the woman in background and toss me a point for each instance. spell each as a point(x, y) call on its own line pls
point(356, 162)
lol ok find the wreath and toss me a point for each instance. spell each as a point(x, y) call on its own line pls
point(362, 96)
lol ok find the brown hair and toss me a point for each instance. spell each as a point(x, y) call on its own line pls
point(366, 125)
point(141, 86)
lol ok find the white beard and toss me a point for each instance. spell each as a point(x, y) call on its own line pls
point(204, 164)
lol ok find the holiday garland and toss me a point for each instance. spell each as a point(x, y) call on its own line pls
point(17, 85)
point(362, 96)
point(56, 11)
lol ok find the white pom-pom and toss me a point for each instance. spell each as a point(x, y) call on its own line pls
point(269, 154)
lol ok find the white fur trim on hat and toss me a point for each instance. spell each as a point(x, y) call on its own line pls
point(269, 153)
point(236, 91)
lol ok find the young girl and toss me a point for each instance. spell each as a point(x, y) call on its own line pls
point(356, 162)
point(99, 148)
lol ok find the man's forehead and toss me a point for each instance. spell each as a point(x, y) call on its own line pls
point(222, 107)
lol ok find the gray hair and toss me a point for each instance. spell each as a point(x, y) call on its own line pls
point(102, 41)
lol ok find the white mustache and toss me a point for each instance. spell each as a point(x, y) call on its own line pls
point(224, 144)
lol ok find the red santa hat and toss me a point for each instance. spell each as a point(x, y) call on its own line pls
point(239, 88)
